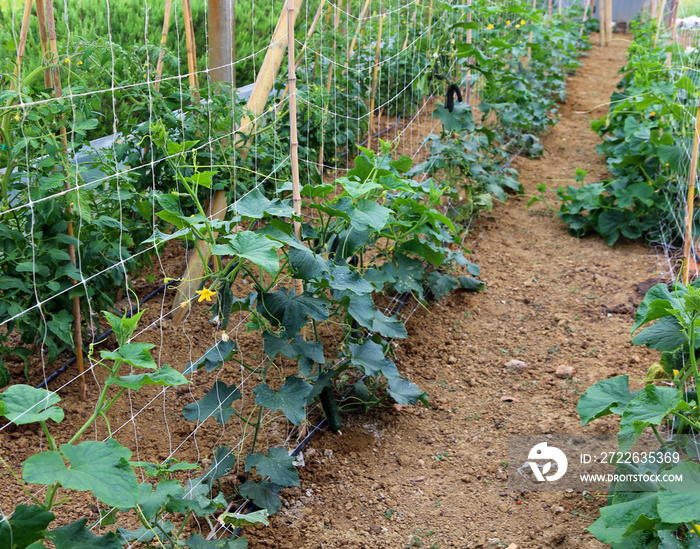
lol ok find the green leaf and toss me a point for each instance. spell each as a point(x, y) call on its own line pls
point(26, 525)
point(680, 502)
point(665, 335)
point(367, 214)
point(76, 536)
point(291, 398)
point(153, 498)
point(165, 376)
point(649, 408)
point(32, 267)
point(471, 284)
point(659, 292)
point(293, 349)
point(263, 494)
point(605, 534)
point(203, 179)
point(308, 265)
point(441, 284)
point(278, 465)
point(609, 396)
point(255, 205)
point(215, 356)
point(343, 278)
point(388, 326)
point(216, 403)
point(405, 392)
point(626, 514)
point(283, 308)
point(254, 247)
point(24, 404)
point(135, 354)
point(100, 467)
point(245, 519)
point(369, 357)
point(409, 275)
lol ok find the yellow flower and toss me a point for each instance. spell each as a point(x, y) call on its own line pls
point(17, 117)
point(489, 27)
point(523, 22)
point(206, 293)
point(653, 113)
point(184, 304)
point(80, 61)
point(517, 26)
point(67, 60)
point(675, 373)
point(508, 22)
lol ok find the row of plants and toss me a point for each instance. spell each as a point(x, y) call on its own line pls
point(376, 230)
point(647, 135)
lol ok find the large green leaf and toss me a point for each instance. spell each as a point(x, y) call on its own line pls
point(215, 356)
point(291, 398)
point(223, 463)
point(245, 519)
point(367, 214)
point(605, 534)
point(293, 349)
point(153, 498)
point(135, 354)
point(666, 334)
point(388, 326)
point(369, 357)
point(25, 404)
point(195, 541)
point(405, 392)
point(649, 408)
point(290, 311)
point(255, 205)
point(254, 247)
point(609, 396)
point(656, 293)
point(76, 536)
point(26, 525)
point(100, 467)
point(264, 494)
point(278, 465)
point(680, 501)
point(216, 403)
point(626, 514)
point(165, 376)
point(307, 264)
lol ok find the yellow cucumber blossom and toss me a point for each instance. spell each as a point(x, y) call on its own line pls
point(206, 293)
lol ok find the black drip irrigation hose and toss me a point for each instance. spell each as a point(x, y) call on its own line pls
point(249, 506)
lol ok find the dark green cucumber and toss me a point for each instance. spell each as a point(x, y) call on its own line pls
point(330, 408)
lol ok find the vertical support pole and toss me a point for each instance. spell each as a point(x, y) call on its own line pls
point(358, 28)
point(218, 205)
point(221, 37)
point(468, 90)
point(692, 176)
point(659, 19)
point(58, 92)
point(163, 41)
point(609, 19)
point(22, 40)
point(191, 48)
point(674, 19)
point(373, 96)
point(549, 12)
point(41, 19)
point(529, 40)
point(293, 137)
point(601, 22)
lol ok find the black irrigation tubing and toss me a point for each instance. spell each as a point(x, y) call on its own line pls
point(249, 505)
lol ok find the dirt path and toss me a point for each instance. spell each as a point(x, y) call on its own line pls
point(437, 478)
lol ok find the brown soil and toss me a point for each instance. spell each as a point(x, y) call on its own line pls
point(437, 477)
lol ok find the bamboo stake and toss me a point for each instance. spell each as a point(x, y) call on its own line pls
point(674, 20)
point(58, 92)
point(692, 176)
point(375, 77)
point(559, 7)
point(468, 90)
point(529, 40)
point(329, 81)
point(191, 48)
point(293, 137)
point(659, 17)
point(218, 205)
point(163, 41)
point(549, 12)
point(609, 19)
point(601, 22)
point(41, 19)
point(430, 20)
point(24, 30)
point(360, 24)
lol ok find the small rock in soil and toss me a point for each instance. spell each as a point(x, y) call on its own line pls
point(564, 371)
point(517, 365)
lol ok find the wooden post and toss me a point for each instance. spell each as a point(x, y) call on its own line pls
point(559, 7)
point(293, 137)
point(163, 41)
point(372, 98)
point(549, 12)
point(358, 28)
point(218, 206)
point(191, 48)
point(58, 92)
point(601, 22)
point(609, 19)
point(659, 18)
point(674, 20)
point(692, 176)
